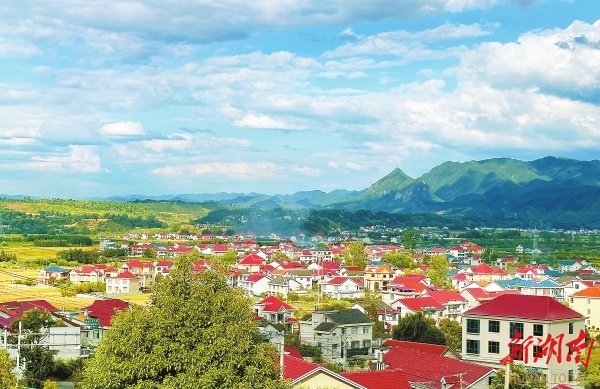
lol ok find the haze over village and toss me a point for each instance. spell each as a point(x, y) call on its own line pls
point(341, 195)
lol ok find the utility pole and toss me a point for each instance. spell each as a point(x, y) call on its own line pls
point(507, 376)
point(18, 354)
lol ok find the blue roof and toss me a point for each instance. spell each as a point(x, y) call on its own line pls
point(56, 269)
point(509, 283)
point(541, 284)
point(553, 273)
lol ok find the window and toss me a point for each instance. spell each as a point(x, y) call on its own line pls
point(514, 327)
point(588, 311)
point(570, 375)
point(516, 351)
point(366, 329)
point(96, 334)
point(472, 326)
point(472, 346)
point(493, 326)
point(494, 347)
point(570, 328)
point(353, 330)
point(538, 330)
point(319, 345)
point(588, 301)
point(538, 352)
point(366, 343)
point(490, 379)
point(355, 344)
point(334, 347)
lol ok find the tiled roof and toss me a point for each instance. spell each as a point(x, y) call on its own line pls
point(273, 304)
point(325, 326)
point(292, 352)
point(56, 269)
point(588, 292)
point(525, 307)
point(348, 316)
point(420, 303)
point(338, 280)
point(127, 275)
point(379, 379)
point(446, 296)
point(422, 347)
point(427, 367)
point(295, 367)
point(252, 259)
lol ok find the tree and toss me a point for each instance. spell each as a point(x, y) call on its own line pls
point(401, 260)
point(354, 255)
point(8, 377)
point(279, 255)
point(195, 333)
point(229, 258)
point(409, 239)
point(49, 384)
point(453, 333)
point(38, 359)
point(439, 269)
point(417, 328)
point(521, 377)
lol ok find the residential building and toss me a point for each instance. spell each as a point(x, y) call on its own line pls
point(55, 273)
point(340, 287)
point(377, 278)
point(255, 284)
point(125, 282)
point(491, 332)
point(587, 303)
point(338, 334)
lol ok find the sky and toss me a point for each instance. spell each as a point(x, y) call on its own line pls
point(116, 97)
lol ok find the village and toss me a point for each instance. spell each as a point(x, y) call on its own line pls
point(494, 303)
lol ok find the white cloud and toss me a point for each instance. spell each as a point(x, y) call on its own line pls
point(566, 59)
point(306, 170)
point(264, 121)
point(122, 129)
point(237, 170)
point(79, 159)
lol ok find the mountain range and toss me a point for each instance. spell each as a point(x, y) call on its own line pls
point(549, 189)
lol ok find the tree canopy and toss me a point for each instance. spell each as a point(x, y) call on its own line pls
point(401, 260)
point(8, 378)
point(439, 269)
point(521, 377)
point(418, 328)
point(354, 255)
point(196, 333)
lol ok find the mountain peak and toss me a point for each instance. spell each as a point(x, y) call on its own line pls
point(394, 180)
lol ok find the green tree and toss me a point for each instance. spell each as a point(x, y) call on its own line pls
point(38, 359)
point(453, 333)
point(410, 239)
point(8, 377)
point(279, 256)
point(417, 328)
point(195, 333)
point(229, 258)
point(401, 260)
point(439, 269)
point(354, 255)
point(49, 384)
point(521, 377)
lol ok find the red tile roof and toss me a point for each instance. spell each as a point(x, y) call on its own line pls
point(427, 367)
point(273, 304)
point(588, 292)
point(295, 367)
point(422, 347)
point(127, 275)
point(445, 296)
point(338, 280)
point(525, 307)
point(292, 352)
point(379, 379)
point(478, 293)
point(254, 277)
point(419, 303)
point(252, 259)
point(104, 310)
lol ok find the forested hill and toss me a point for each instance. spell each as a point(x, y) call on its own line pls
point(555, 190)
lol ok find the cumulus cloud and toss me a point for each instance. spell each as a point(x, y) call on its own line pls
point(122, 129)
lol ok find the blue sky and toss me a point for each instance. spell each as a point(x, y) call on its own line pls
point(115, 97)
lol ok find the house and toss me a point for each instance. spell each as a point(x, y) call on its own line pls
point(484, 272)
point(571, 265)
point(454, 304)
point(255, 284)
point(541, 288)
point(587, 303)
point(273, 310)
point(503, 262)
point(52, 273)
point(346, 332)
point(380, 379)
point(340, 287)
point(377, 278)
point(125, 282)
point(86, 274)
point(411, 305)
point(251, 263)
point(535, 330)
point(283, 286)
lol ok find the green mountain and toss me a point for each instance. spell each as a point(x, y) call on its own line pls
point(549, 189)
